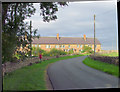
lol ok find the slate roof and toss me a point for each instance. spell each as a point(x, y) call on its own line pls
point(64, 40)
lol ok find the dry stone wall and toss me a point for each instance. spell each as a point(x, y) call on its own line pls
point(11, 66)
point(106, 59)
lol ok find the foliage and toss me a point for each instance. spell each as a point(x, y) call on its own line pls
point(14, 28)
point(8, 47)
point(49, 9)
point(71, 51)
point(55, 52)
point(87, 49)
point(13, 34)
point(36, 51)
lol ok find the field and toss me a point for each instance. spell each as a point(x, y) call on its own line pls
point(109, 53)
point(112, 54)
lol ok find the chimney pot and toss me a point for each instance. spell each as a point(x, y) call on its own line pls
point(58, 36)
point(84, 37)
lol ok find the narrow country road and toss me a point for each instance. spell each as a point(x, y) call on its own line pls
point(73, 74)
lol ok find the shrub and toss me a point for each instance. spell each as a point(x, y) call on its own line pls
point(36, 51)
point(55, 52)
point(61, 52)
point(52, 52)
point(71, 51)
point(19, 56)
point(46, 53)
point(87, 49)
point(82, 51)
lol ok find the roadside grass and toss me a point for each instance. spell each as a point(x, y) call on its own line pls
point(112, 54)
point(30, 77)
point(105, 67)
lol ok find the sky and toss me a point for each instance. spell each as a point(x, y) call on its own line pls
point(77, 19)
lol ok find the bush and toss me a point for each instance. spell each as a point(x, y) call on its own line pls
point(19, 55)
point(87, 49)
point(61, 52)
point(71, 51)
point(52, 52)
point(37, 51)
point(55, 52)
point(46, 53)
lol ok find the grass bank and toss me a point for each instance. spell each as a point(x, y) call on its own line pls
point(105, 67)
point(30, 77)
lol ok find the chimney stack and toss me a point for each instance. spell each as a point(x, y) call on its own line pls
point(84, 37)
point(58, 36)
point(25, 35)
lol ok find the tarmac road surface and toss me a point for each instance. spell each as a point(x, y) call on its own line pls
point(73, 74)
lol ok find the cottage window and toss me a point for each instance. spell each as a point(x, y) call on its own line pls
point(61, 46)
point(56, 46)
point(69, 46)
point(47, 46)
point(35, 45)
point(80, 46)
point(39, 45)
point(77, 46)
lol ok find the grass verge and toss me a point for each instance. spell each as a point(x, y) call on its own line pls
point(30, 77)
point(105, 67)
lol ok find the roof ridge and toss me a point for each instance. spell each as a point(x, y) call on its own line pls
point(62, 40)
point(67, 37)
point(49, 36)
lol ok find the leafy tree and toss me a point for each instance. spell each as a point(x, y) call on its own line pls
point(14, 28)
point(13, 34)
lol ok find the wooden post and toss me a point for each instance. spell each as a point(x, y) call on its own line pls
point(30, 36)
point(94, 35)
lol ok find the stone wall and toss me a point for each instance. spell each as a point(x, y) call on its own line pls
point(11, 66)
point(106, 59)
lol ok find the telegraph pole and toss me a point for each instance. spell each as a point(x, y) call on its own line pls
point(30, 36)
point(94, 35)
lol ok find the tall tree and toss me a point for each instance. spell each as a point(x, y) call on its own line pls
point(13, 26)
